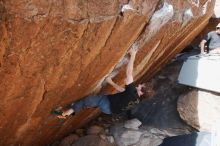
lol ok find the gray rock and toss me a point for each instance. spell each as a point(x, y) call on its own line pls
point(144, 136)
point(130, 137)
point(149, 139)
point(108, 138)
point(92, 140)
point(132, 124)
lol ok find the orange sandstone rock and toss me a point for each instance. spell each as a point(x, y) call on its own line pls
point(55, 52)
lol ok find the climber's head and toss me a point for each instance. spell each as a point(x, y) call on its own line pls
point(140, 89)
point(218, 29)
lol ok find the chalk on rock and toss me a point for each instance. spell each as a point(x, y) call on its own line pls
point(126, 7)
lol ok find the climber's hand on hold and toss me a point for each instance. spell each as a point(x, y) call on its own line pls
point(61, 117)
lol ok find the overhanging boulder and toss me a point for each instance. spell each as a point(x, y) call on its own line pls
point(55, 52)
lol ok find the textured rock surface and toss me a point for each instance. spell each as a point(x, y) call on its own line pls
point(132, 124)
point(95, 129)
point(69, 140)
point(54, 52)
point(200, 109)
point(92, 140)
point(139, 137)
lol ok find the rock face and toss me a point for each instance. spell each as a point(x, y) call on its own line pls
point(132, 124)
point(92, 140)
point(55, 52)
point(69, 140)
point(200, 109)
point(136, 137)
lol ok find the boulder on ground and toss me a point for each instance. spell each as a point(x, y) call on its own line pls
point(200, 109)
point(92, 140)
point(144, 136)
point(132, 124)
point(69, 140)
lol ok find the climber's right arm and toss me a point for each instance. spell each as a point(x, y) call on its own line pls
point(202, 46)
point(116, 86)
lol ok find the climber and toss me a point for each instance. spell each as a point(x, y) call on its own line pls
point(212, 40)
point(114, 103)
